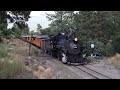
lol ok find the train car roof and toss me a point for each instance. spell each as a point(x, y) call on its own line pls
point(30, 36)
point(43, 37)
point(36, 36)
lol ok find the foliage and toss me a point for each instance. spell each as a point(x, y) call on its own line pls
point(39, 27)
point(32, 32)
point(17, 17)
point(61, 21)
point(116, 44)
point(99, 46)
point(109, 49)
point(18, 32)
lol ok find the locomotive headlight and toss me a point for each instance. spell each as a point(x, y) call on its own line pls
point(76, 39)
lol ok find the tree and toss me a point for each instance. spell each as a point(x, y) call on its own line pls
point(47, 31)
point(116, 44)
point(109, 49)
point(32, 32)
point(61, 21)
point(18, 17)
point(39, 27)
point(14, 16)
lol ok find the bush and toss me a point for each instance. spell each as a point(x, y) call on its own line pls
point(35, 51)
point(99, 46)
point(8, 37)
point(116, 44)
point(109, 49)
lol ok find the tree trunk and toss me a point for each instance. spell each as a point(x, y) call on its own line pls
point(1, 41)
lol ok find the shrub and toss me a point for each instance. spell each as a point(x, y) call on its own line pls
point(17, 36)
point(34, 51)
point(109, 49)
point(99, 46)
point(116, 44)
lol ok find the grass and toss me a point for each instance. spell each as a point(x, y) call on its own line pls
point(3, 51)
point(34, 51)
point(11, 63)
point(9, 68)
point(12, 57)
point(37, 52)
point(115, 60)
point(92, 60)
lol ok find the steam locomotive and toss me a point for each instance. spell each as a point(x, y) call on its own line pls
point(63, 46)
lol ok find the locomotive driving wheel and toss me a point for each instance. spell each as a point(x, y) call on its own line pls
point(64, 58)
point(59, 55)
point(45, 51)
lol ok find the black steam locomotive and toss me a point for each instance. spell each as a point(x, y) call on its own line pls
point(66, 48)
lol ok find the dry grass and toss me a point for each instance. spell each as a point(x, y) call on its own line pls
point(12, 60)
point(22, 48)
point(42, 73)
point(11, 63)
point(115, 59)
point(3, 51)
point(10, 67)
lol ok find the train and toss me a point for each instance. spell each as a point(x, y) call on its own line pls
point(63, 46)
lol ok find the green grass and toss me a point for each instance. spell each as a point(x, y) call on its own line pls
point(3, 51)
point(92, 60)
point(35, 51)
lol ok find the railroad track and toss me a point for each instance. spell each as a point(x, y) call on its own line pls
point(93, 73)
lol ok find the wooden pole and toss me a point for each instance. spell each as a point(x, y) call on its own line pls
point(30, 44)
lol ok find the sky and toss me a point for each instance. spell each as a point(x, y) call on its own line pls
point(37, 17)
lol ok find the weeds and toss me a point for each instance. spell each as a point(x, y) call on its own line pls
point(115, 59)
point(35, 52)
point(12, 55)
point(11, 63)
point(10, 67)
point(3, 51)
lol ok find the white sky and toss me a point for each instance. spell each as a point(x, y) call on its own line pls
point(39, 17)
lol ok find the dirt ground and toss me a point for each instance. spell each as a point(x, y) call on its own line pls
point(44, 66)
point(57, 70)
